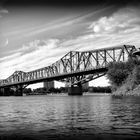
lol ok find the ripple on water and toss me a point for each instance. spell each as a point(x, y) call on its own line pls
point(69, 117)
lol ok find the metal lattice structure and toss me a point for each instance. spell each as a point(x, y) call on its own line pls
point(75, 67)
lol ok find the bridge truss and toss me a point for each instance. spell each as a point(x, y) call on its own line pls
point(73, 68)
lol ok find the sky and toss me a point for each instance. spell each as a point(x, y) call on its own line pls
point(35, 34)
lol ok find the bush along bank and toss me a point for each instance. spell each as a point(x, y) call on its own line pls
point(125, 77)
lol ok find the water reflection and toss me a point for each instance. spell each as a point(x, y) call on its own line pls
point(53, 116)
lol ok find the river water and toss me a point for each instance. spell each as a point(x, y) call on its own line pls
point(69, 117)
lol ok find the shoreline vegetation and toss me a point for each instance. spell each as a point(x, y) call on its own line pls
point(64, 90)
point(125, 77)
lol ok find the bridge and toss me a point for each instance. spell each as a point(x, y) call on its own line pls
point(75, 68)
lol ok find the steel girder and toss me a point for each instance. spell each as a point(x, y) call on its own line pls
point(74, 62)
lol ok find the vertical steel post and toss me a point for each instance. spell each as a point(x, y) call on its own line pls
point(97, 60)
point(114, 59)
point(105, 60)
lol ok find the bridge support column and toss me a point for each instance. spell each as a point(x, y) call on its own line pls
point(5, 91)
point(75, 90)
point(48, 85)
point(19, 90)
point(1, 91)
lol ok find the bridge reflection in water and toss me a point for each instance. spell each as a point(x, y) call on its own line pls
point(75, 69)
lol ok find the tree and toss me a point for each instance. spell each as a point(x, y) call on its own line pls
point(122, 72)
point(118, 72)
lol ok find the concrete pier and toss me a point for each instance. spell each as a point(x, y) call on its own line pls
point(48, 85)
point(75, 90)
point(8, 91)
point(19, 91)
point(5, 91)
point(1, 91)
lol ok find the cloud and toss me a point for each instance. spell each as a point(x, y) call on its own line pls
point(71, 21)
point(122, 27)
point(122, 20)
point(3, 11)
point(6, 42)
point(3, 41)
point(45, 53)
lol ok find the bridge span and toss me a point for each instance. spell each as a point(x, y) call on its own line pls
point(75, 68)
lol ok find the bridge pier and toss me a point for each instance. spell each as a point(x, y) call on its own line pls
point(5, 91)
point(19, 91)
point(77, 90)
point(1, 91)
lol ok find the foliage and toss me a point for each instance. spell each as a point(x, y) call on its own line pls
point(119, 71)
point(27, 90)
point(100, 89)
point(133, 79)
point(126, 74)
point(43, 90)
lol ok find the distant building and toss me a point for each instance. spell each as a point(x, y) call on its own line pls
point(84, 86)
point(48, 85)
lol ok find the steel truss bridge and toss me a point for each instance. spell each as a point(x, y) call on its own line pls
point(75, 68)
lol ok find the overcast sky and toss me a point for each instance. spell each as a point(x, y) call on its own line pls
point(34, 35)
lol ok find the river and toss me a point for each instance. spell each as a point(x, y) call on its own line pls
point(89, 116)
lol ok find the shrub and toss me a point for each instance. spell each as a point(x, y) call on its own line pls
point(121, 72)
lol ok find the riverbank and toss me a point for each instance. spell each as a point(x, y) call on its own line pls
point(122, 91)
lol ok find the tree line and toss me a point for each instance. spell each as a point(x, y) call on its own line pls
point(43, 90)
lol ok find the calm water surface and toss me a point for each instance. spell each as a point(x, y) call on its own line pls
point(65, 117)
